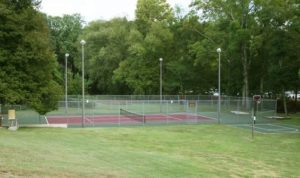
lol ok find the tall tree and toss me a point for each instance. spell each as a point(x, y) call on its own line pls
point(151, 40)
point(192, 69)
point(281, 23)
point(65, 32)
point(27, 62)
point(235, 18)
point(107, 46)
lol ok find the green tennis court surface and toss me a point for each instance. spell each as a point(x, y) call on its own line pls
point(271, 128)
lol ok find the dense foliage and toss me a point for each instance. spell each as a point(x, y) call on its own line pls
point(259, 41)
point(27, 62)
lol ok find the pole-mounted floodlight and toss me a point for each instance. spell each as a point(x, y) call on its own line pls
point(219, 85)
point(82, 42)
point(66, 82)
point(160, 86)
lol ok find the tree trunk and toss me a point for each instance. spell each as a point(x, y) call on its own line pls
point(245, 80)
point(261, 87)
point(284, 103)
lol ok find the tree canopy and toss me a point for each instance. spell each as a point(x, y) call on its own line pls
point(27, 62)
point(259, 41)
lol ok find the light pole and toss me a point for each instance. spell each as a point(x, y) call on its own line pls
point(66, 82)
point(160, 86)
point(219, 85)
point(82, 42)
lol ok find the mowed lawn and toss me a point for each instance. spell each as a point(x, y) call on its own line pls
point(156, 151)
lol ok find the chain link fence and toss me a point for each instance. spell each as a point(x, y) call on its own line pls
point(105, 110)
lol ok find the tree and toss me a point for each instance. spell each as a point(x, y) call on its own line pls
point(27, 61)
point(193, 65)
point(64, 34)
point(107, 46)
point(236, 20)
point(259, 41)
point(149, 41)
point(140, 70)
point(46, 98)
point(149, 11)
point(283, 45)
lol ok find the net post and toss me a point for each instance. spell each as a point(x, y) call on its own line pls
point(144, 119)
point(253, 128)
point(119, 121)
point(196, 110)
point(167, 112)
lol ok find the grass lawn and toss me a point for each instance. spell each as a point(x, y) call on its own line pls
point(152, 151)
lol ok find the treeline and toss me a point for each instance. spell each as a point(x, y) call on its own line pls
point(260, 42)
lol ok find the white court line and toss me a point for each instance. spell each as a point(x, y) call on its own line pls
point(283, 126)
point(274, 129)
point(291, 126)
point(206, 116)
point(278, 128)
point(170, 117)
point(287, 130)
point(89, 120)
point(164, 116)
point(197, 115)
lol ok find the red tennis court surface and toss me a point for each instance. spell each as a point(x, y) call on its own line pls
point(117, 119)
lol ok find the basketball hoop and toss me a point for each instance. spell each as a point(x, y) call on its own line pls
point(257, 99)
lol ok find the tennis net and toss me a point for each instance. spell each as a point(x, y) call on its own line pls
point(131, 115)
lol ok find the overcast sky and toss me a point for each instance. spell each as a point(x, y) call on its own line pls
point(98, 9)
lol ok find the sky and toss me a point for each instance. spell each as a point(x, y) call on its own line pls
point(98, 9)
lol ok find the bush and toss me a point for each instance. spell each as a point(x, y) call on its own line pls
point(292, 106)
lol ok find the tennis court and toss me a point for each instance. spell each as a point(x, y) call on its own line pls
point(271, 128)
point(128, 118)
point(148, 110)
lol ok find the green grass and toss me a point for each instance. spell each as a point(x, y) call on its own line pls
point(161, 151)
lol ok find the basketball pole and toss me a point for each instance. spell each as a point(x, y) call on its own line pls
point(160, 86)
point(254, 115)
point(219, 85)
point(256, 101)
